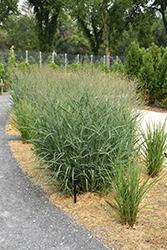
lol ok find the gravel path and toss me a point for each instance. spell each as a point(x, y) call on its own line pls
point(28, 219)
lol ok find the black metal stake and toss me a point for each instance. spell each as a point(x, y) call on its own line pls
point(75, 180)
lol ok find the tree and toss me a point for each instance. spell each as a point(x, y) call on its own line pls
point(113, 14)
point(101, 21)
point(141, 20)
point(158, 32)
point(154, 8)
point(26, 8)
point(46, 13)
point(160, 6)
point(127, 37)
point(87, 15)
point(68, 38)
point(134, 60)
point(7, 7)
point(20, 32)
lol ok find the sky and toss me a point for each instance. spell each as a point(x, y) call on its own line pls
point(21, 2)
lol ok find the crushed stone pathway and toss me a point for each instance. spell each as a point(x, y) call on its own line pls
point(28, 220)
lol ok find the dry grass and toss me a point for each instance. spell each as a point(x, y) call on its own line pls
point(92, 211)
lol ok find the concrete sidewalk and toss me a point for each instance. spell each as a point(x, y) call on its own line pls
point(28, 221)
point(151, 117)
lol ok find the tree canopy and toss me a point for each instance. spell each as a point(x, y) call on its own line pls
point(46, 13)
point(7, 7)
point(86, 27)
point(160, 6)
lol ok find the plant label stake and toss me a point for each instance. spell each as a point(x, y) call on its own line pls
point(75, 180)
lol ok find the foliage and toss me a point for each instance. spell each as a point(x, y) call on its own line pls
point(101, 22)
point(134, 60)
point(90, 24)
point(20, 31)
point(118, 67)
point(142, 21)
point(158, 32)
point(2, 71)
point(11, 67)
point(154, 147)
point(46, 13)
point(6, 8)
point(127, 37)
point(69, 38)
point(147, 74)
point(147, 77)
point(12, 58)
point(74, 67)
point(83, 123)
point(23, 66)
point(128, 190)
point(161, 81)
point(159, 6)
point(54, 65)
point(22, 119)
point(2, 75)
point(104, 68)
point(156, 54)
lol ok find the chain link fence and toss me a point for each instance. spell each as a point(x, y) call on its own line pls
point(60, 59)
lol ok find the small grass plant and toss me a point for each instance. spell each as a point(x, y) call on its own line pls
point(128, 188)
point(154, 146)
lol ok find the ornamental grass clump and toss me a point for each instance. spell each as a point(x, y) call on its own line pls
point(82, 124)
point(128, 188)
point(154, 146)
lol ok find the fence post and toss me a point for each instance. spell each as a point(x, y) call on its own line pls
point(13, 51)
point(78, 58)
point(26, 56)
point(91, 59)
point(104, 60)
point(52, 57)
point(40, 58)
point(116, 59)
point(65, 62)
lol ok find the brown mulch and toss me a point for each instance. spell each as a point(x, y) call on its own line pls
point(93, 213)
point(154, 108)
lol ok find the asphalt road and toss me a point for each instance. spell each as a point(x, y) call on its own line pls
point(28, 220)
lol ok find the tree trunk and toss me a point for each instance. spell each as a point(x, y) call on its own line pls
point(163, 16)
point(107, 52)
point(107, 48)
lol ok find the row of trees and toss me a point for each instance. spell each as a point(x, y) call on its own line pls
point(87, 26)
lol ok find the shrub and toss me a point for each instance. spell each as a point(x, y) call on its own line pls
point(23, 66)
point(161, 81)
point(147, 77)
point(2, 75)
point(156, 54)
point(134, 60)
point(117, 67)
point(128, 190)
point(54, 66)
point(2, 71)
point(11, 68)
point(154, 147)
point(74, 67)
point(104, 68)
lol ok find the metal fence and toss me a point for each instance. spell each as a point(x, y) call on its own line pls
point(59, 59)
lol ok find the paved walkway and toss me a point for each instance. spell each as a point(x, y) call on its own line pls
point(26, 220)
